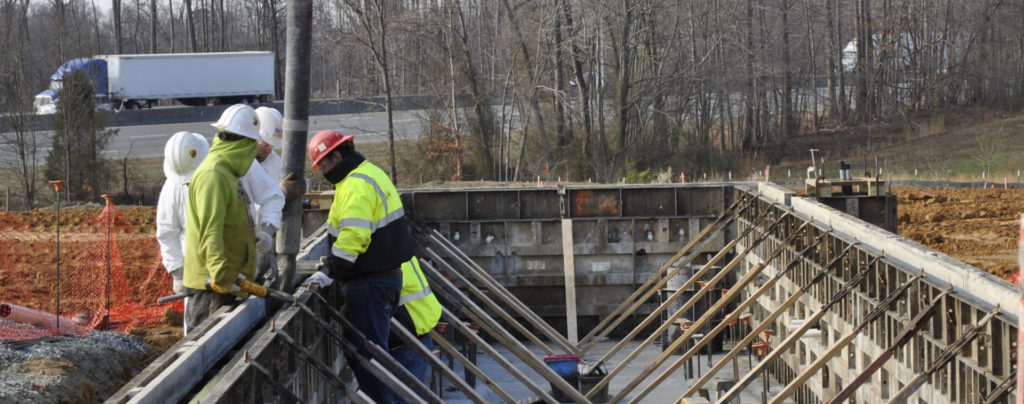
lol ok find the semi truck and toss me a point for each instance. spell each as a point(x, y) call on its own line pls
point(193, 79)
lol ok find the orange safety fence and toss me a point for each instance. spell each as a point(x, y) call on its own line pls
point(110, 278)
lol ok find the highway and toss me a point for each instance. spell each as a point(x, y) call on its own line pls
point(146, 141)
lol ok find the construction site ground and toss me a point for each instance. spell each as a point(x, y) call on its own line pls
point(977, 226)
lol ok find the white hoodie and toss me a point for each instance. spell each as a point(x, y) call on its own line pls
point(272, 164)
point(265, 197)
point(170, 223)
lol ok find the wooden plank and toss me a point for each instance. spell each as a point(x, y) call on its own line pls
point(461, 260)
point(569, 270)
point(466, 363)
point(430, 253)
point(469, 308)
point(591, 341)
point(723, 220)
point(650, 339)
point(734, 291)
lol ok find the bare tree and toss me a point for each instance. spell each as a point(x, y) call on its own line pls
point(21, 141)
point(152, 26)
point(373, 17)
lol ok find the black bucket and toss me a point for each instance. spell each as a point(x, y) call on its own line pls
point(591, 379)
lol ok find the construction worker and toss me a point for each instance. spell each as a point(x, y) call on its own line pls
point(270, 141)
point(182, 154)
point(370, 240)
point(261, 184)
point(418, 311)
point(220, 241)
point(266, 201)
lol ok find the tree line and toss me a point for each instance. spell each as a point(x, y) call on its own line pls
point(582, 89)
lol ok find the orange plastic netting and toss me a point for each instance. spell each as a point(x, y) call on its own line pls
point(110, 278)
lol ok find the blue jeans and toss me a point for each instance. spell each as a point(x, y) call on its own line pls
point(413, 362)
point(369, 304)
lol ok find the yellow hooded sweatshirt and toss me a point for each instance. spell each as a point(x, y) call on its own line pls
point(219, 236)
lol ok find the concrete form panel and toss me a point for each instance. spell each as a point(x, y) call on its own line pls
point(442, 206)
point(700, 200)
point(539, 204)
point(631, 232)
point(600, 202)
point(656, 202)
point(493, 205)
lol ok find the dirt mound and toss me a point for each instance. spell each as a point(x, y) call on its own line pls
point(977, 226)
point(142, 219)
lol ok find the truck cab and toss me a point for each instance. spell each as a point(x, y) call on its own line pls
point(95, 71)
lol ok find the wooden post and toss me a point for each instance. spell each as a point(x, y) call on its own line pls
point(569, 269)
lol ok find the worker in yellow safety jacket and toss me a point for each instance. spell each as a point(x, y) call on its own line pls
point(370, 239)
point(418, 312)
point(220, 243)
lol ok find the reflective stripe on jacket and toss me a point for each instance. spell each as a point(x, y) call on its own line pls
point(423, 308)
point(368, 222)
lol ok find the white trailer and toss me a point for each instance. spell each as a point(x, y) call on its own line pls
point(192, 78)
point(134, 81)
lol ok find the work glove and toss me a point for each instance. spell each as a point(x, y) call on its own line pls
point(222, 289)
point(263, 242)
point(318, 279)
point(177, 285)
point(292, 188)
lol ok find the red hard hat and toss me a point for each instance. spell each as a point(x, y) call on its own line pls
point(324, 142)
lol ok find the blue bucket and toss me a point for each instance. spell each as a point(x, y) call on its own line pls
point(566, 366)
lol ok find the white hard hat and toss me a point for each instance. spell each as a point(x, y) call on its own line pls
point(182, 154)
point(270, 126)
point(241, 120)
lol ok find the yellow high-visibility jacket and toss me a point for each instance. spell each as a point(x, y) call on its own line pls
point(417, 301)
point(367, 221)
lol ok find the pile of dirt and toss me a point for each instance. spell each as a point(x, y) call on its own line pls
point(69, 370)
point(977, 226)
point(141, 218)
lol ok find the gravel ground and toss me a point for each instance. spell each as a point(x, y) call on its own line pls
point(69, 370)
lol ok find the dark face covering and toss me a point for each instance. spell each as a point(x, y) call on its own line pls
point(341, 170)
